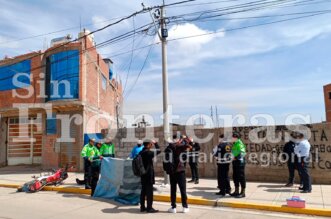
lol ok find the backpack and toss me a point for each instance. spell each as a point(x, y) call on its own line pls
point(169, 160)
point(138, 166)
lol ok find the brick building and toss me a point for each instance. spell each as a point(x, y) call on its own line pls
point(327, 98)
point(50, 100)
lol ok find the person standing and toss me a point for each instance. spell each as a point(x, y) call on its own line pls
point(302, 151)
point(193, 156)
point(178, 177)
point(88, 151)
point(136, 149)
point(148, 179)
point(238, 165)
point(95, 166)
point(223, 157)
point(107, 149)
point(288, 152)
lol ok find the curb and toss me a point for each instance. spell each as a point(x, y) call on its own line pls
point(200, 201)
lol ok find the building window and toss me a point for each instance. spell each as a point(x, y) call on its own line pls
point(51, 126)
point(104, 82)
point(62, 75)
point(8, 72)
point(329, 95)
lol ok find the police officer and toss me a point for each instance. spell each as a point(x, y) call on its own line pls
point(288, 153)
point(223, 157)
point(193, 156)
point(238, 165)
point(88, 151)
point(107, 149)
point(95, 167)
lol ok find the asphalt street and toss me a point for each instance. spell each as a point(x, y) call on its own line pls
point(46, 205)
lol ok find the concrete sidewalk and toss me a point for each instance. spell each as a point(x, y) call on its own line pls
point(263, 194)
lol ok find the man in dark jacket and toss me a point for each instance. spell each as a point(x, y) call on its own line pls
point(288, 151)
point(224, 158)
point(193, 157)
point(148, 179)
point(179, 148)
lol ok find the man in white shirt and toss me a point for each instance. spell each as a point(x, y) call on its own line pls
point(302, 151)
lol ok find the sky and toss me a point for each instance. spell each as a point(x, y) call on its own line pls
point(277, 69)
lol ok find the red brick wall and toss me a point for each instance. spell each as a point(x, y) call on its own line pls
point(327, 90)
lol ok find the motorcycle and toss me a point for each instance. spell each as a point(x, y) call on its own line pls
point(56, 177)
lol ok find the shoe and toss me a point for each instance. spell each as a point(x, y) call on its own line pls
point(87, 187)
point(235, 193)
point(301, 188)
point(242, 194)
point(152, 210)
point(196, 182)
point(172, 210)
point(220, 193)
point(306, 191)
point(191, 181)
point(228, 192)
point(142, 209)
point(289, 185)
point(186, 210)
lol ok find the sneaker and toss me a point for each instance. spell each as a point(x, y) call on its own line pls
point(172, 210)
point(186, 210)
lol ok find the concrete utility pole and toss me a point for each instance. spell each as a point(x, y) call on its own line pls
point(166, 125)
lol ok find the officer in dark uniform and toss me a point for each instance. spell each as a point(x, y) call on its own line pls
point(193, 156)
point(223, 157)
point(288, 153)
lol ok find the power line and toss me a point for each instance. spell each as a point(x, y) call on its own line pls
point(138, 76)
point(224, 30)
point(59, 31)
point(246, 27)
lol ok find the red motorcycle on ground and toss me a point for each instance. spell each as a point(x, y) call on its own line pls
point(55, 178)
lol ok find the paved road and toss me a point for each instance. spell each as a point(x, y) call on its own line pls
point(48, 205)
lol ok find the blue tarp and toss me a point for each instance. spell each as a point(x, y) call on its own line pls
point(117, 181)
point(63, 67)
point(8, 72)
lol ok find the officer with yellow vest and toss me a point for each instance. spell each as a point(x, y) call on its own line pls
point(88, 152)
point(238, 165)
point(107, 149)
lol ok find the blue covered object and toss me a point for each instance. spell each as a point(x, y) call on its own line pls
point(8, 72)
point(117, 181)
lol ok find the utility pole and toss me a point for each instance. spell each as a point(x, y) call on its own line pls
point(164, 35)
point(166, 125)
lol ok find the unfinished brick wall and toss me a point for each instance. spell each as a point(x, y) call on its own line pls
point(275, 172)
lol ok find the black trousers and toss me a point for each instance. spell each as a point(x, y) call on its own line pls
point(87, 173)
point(95, 172)
point(146, 193)
point(239, 177)
point(291, 169)
point(223, 178)
point(180, 179)
point(302, 166)
point(194, 170)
